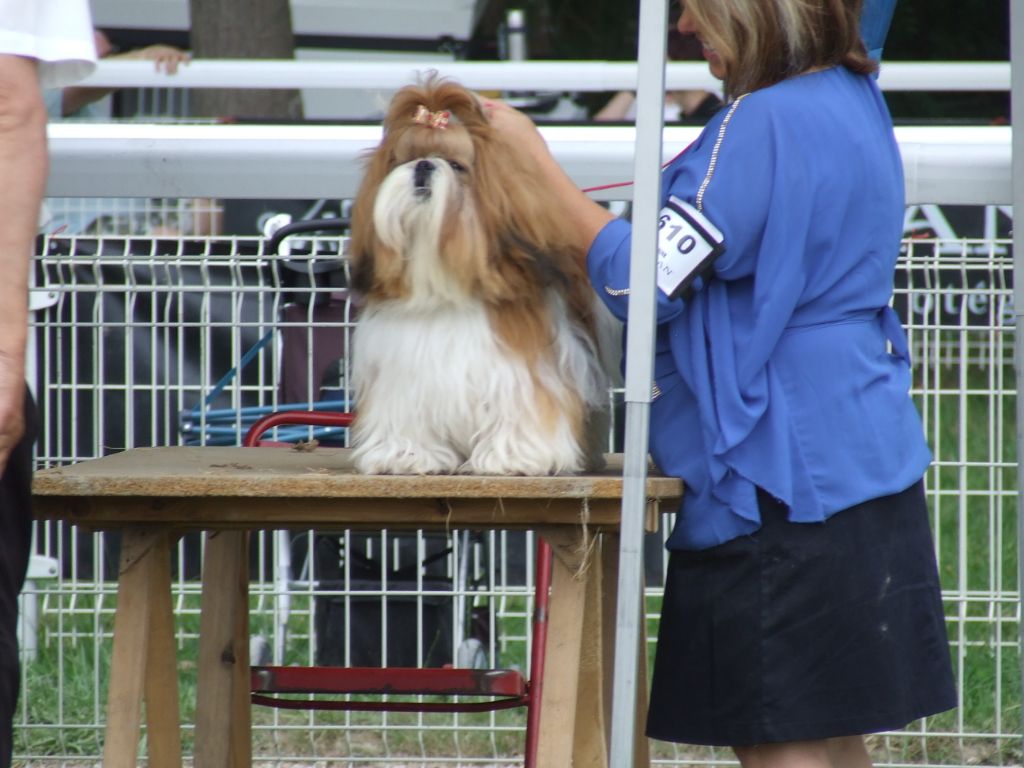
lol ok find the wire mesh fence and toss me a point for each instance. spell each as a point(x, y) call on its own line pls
point(163, 340)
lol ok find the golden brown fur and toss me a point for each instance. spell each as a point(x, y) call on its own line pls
point(506, 258)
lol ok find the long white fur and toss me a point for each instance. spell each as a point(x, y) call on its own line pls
point(411, 225)
point(436, 390)
point(438, 394)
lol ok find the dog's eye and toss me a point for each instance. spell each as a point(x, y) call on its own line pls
point(457, 166)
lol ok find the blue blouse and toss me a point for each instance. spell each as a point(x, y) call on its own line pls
point(778, 372)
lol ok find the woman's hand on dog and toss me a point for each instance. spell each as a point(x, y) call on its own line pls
point(583, 214)
point(517, 128)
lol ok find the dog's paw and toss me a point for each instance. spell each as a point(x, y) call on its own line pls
point(484, 461)
point(405, 460)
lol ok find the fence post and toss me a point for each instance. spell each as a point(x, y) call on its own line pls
point(39, 567)
point(1017, 174)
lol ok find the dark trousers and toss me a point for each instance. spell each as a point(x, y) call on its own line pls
point(15, 546)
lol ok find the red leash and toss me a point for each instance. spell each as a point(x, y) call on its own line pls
point(630, 183)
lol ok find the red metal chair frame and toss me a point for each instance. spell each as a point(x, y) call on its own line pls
point(276, 686)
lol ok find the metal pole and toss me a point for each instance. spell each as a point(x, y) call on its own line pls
point(1017, 174)
point(639, 364)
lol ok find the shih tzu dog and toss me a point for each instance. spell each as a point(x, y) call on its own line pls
point(476, 348)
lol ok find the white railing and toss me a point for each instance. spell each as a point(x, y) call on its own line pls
point(416, 19)
point(505, 75)
point(945, 165)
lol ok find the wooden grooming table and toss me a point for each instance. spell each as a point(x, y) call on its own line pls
point(153, 495)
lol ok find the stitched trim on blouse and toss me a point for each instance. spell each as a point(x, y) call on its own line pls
point(714, 152)
point(655, 391)
point(700, 192)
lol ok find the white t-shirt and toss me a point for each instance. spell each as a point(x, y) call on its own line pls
point(58, 33)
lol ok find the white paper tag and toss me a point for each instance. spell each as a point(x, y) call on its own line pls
point(687, 245)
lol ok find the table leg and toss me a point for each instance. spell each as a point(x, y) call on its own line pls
point(163, 719)
point(610, 577)
point(241, 693)
point(576, 703)
point(222, 652)
point(561, 671)
point(590, 745)
point(144, 570)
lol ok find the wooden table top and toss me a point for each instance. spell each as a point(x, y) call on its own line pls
point(197, 487)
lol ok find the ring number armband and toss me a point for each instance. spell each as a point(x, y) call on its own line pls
point(688, 244)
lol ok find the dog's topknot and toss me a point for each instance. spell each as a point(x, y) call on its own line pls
point(436, 94)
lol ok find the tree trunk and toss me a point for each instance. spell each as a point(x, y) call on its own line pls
point(243, 29)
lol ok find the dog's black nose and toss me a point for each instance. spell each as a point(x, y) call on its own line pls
point(421, 173)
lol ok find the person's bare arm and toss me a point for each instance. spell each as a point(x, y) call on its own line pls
point(165, 58)
point(23, 168)
point(587, 217)
point(617, 107)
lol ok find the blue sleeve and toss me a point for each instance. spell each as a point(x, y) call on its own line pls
point(608, 266)
point(762, 197)
point(738, 185)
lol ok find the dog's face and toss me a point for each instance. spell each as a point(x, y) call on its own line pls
point(416, 227)
point(425, 213)
point(430, 170)
point(449, 209)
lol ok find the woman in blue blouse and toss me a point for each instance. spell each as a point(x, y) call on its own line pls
point(802, 605)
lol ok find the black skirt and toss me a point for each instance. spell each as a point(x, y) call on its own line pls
point(804, 631)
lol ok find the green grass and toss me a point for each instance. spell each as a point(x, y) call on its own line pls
point(973, 500)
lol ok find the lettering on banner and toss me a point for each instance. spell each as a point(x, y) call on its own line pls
point(970, 283)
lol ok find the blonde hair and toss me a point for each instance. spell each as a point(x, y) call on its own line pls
point(762, 42)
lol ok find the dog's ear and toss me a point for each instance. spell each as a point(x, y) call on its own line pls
point(360, 256)
point(532, 238)
point(363, 240)
point(528, 217)
point(375, 268)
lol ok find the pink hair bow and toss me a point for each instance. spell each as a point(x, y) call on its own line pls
point(437, 119)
